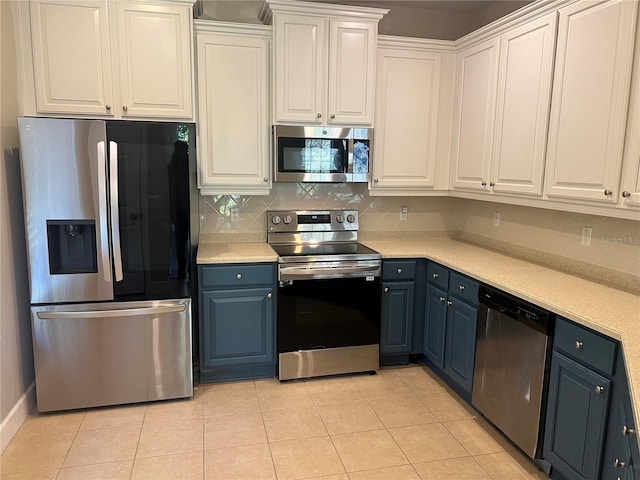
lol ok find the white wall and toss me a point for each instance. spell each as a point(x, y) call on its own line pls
point(16, 357)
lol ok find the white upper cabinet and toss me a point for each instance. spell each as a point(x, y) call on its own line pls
point(477, 75)
point(108, 59)
point(590, 98)
point(524, 94)
point(233, 108)
point(408, 116)
point(154, 50)
point(630, 180)
point(72, 57)
point(324, 62)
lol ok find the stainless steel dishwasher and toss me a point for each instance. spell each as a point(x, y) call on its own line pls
point(512, 366)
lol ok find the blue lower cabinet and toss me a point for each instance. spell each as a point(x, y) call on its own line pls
point(577, 409)
point(435, 325)
point(460, 343)
point(397, 317)
point(237, 323)
point(450, 322)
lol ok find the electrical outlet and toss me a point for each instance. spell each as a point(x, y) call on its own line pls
point(586, 236)
point(496, 219)
point(403, 213)
point(234, 215)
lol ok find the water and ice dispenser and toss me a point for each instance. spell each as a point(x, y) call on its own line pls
point(72, 246)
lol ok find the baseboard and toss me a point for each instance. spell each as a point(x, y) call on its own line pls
point(17, 416)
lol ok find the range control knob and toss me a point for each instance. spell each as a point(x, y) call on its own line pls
point(275, 219)
point(351, 218)
point(287, 219)
point(339, 218)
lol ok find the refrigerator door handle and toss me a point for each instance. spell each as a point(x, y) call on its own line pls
point(102, 206)
point(126, 312)
point(115, 214)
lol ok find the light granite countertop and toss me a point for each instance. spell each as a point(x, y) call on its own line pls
point(608, 310)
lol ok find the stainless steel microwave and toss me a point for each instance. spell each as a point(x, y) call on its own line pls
point(321, 154)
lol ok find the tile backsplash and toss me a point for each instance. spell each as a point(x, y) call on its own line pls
point(615, 243)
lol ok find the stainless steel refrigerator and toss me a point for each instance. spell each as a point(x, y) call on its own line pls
point(107, 218)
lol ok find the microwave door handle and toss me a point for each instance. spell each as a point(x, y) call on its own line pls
point(115, 214)
point(102, 211)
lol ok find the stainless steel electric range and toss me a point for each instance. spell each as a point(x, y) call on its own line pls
point(328, 305)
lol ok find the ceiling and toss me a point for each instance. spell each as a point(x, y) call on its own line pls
point(438, 19)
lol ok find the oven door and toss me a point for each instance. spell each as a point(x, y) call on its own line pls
point(328, 313)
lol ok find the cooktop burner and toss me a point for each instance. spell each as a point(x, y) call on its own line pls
point(320, 251)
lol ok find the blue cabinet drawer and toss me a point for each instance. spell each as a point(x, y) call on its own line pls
point(237, 275)
point(464, 288)
point(398, 270)
point(438, 275)
point(585, 346)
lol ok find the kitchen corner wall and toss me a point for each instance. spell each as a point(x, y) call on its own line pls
point(16, 354)
point(533, 232)
point(547, 236)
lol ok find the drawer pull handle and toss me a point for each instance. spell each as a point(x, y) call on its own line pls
point(386, 289)
point(269, 295)
point(449, 303)
point(435, 275)
point(239, 276)
point(627, 430)
point(399, 271)
point(461, 287)
point(442, 299)
point(618, 464)
point(599, 389)
point(579, 345)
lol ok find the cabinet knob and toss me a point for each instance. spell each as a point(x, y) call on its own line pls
point(484, 184)
point(579, 345)
point(435, 275)
point(333, 115)
point(607, 192)
point(386, 289)
point(617, 463)
point(266, 179)
point(492, 184)
point(461, 288)
point(376, 181)
point(107, 108)
point(599, 389)
point(626, 194)
point(442, 299)
point(239, 276)
point(399, 271)
point(269, 295)
point(319, 115)
point(449, 303)
point(627, 430)
point(125, 108)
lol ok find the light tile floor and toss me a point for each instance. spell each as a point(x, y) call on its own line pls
point(403, 423)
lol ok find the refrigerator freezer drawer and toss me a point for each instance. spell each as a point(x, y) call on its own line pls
point(111, 353)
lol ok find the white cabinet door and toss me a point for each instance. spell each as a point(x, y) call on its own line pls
point(630, 180)
point(524, 95)
point(477, 75)
point(589, 102)
point(300, 69)
point(352, 58)
point(408, 90)
point(154, 51)
point(71, 57)
point(233, 112)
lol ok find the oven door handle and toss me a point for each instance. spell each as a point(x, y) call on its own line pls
point(308, 272)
